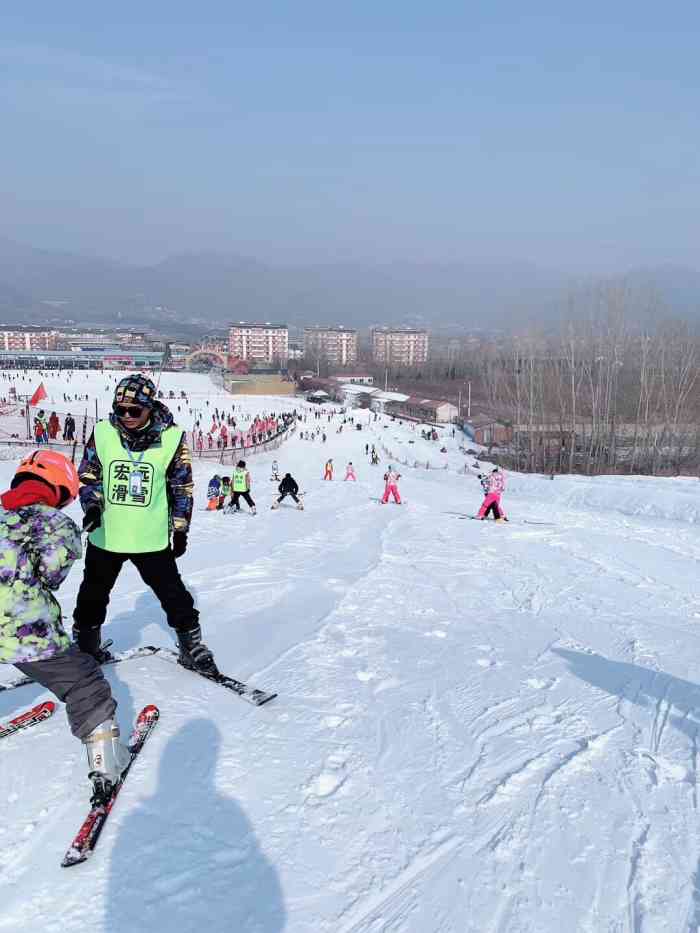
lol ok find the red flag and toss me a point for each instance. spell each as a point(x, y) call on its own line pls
point(38, 395)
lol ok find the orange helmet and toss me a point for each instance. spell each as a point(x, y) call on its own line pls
point(53, 468)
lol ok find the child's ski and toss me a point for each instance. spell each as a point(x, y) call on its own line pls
point(113, 659)
point(30, 718)
point(244, 691)
point(84, 843)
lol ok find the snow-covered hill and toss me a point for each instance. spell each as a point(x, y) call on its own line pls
point(479, 727)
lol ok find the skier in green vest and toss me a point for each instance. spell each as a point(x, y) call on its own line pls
point(240, 486)
point(136, 488)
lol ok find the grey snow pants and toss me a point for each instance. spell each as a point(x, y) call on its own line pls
point(77, 680)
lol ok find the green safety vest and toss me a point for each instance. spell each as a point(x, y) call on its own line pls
point(239, 481)
point(136, 514)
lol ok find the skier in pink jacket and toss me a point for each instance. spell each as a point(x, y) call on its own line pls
point(494, 488)
point(350, 472)
point(391, 488)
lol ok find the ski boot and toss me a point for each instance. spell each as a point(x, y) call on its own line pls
point(253, 511)
point(107, 759)
point(300, 506)
point(275, 505)
point(194, 654)
point(89, 641)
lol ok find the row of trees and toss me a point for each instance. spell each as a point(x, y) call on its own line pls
point(616, 389)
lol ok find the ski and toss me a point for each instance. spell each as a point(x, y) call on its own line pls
point(245, 692)
point(86, 839)
point(113, 659)
point(29, 718)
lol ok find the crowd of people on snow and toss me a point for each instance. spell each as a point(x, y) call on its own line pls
point(238, 433)
point(48, 429)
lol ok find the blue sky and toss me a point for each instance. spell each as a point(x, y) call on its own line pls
point(313, 131)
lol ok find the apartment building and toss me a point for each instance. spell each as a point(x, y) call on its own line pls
point(18, 338)
point(338, 345)
point(399, 346)
point(265, 343)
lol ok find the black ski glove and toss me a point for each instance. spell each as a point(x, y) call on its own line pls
point(92, 518)
point(179, 543)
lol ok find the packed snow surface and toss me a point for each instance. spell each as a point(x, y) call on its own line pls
point(480, 727)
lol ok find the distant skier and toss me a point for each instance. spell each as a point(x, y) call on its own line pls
point(39, 545)
point(494, 486)
point(213, 493)
point(288, 487)
point(241, 487)
point(328, 472)
point(69, 428)
point(41, 428)
point(391, 486)
point(275, 471)
point(350, 472)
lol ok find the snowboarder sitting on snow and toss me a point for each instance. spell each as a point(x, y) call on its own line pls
point(213, 491)
point(241, 487)
point(288, 487)
point(494, 488)
point(39, 544)
point(136, 486)
point(391, 488)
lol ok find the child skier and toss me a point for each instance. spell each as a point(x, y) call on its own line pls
point(213, 493)
point(391, 487)
point(225, 491)
point(328, 472)
point(494, 485)
point(288, 487)
point(350, 472)
point(275, 471)
point(39, 545)
point(241, 487)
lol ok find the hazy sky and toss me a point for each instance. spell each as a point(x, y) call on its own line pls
point(306, 130)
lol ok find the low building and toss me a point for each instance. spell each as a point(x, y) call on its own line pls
point(360, 379)
point(430, 411)
point(356, 396)
point(380, 400)
point(488, 431)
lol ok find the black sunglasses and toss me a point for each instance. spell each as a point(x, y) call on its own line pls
point(128, 411)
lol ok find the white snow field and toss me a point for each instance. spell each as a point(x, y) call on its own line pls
point(480, 727)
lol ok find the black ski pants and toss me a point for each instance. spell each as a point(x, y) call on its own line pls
point(289, 493)
point(235, 497)
point(493, 508)
point(157, 569)
point(77, 680)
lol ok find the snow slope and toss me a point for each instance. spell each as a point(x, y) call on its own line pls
point(479, 727)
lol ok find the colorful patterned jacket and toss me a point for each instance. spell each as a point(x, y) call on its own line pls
point(38, 545)
point(178, 478)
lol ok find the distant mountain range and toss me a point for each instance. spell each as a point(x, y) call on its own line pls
point(192, 292)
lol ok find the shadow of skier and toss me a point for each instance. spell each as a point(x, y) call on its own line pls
point(640, 686)
point(187, 859)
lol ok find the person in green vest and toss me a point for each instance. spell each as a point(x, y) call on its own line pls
point(136, 491)
point(240, 486)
